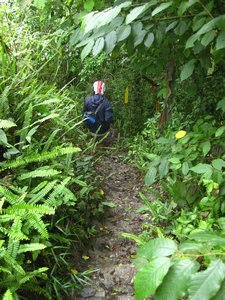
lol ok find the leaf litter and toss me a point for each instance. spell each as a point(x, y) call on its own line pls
point(110, 252)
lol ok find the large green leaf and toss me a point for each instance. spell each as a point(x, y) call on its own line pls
point(198, 23)
point(221, 105)
point(174, 160)
point(208, 37)
point(163, 168)
point(206, 284)
point(3, 137)
point(117, 22)
point(220, 131)
point(201, 168)
point(171, 26)
point(221, 293)
point(136, 28)
point(185, 168)
point(213, 238)
point(211, 25)
point(137, 11)
point(149, 40)
point(98, 47)
point(110, 42)
point(123, 32)
point(174, 284)
point(161, 7)
point(181, 28)
point(75, 37)
point(157, 247)
point(220, 42)
point(150, 176)
point(150, 277)
point(187, 70)
point(87, 49)
point(191, 41)
point(191, 246)
point(185, 5)
point(206, 146)
point(99, 19)
point(89, 5)
point(139, 38)
point(218, 164)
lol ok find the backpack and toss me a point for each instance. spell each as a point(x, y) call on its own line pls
point(91, 117)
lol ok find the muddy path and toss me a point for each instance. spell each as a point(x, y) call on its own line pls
point(109, 253)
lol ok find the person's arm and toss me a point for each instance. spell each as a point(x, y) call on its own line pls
point(108, 113)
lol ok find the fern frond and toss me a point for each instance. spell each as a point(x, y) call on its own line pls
point(52, 199)
point(43, 192)
point(18, 190)
point(8, 295)
point(12, 263)
point(31, 247)
point(13, 247)
point(14, 235)
point(39, 157)
point(62, 191)
point(15, 232)
point(6, 124)
point(68, 195)
point(10, 197)
point(21, 198)
point(5, 270)
point(39, 187)
point(42, 292)
point(3, 230)
point(68, 161)
point(7, 218)
point(36, 222)
point(39, 173)
point(30, 275)
point(23, 209)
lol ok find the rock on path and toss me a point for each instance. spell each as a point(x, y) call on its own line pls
point(110, 254)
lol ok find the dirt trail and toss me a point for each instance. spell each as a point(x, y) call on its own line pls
point(110, 253)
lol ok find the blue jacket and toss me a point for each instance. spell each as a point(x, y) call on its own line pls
point(104, 115)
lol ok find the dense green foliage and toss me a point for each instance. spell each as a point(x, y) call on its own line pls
point(163, 64)
point(46, 181)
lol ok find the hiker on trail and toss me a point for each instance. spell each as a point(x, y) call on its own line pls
point(98, 113)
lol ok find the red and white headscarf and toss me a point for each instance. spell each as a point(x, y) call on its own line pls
point(99, 87)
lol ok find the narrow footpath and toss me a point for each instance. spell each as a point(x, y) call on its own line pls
point(109, 253)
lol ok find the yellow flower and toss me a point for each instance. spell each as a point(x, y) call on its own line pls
point(101, 192)
point(74, 271)
point(28, 262)
point(180, 134)
point(85, 257)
